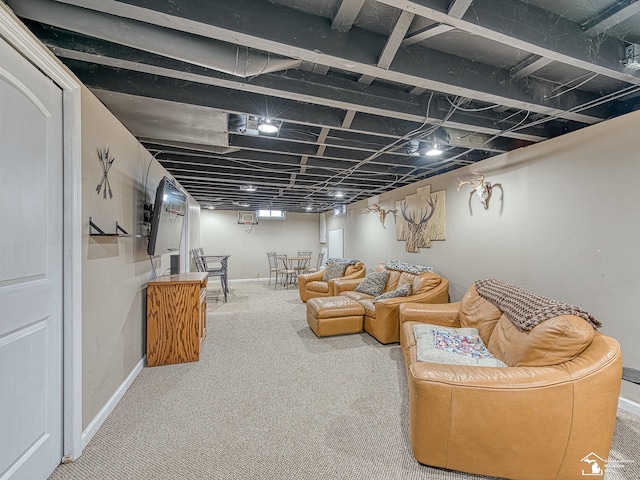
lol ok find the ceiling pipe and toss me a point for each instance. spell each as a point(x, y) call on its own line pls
point(222, 57)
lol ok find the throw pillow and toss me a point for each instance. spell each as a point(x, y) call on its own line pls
point(373, 284)
point(334, 270)
point(401, 291)
point(457, 346)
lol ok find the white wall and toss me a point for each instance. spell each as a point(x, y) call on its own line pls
point(114, 269)
point(568, 227)
point(220, 233)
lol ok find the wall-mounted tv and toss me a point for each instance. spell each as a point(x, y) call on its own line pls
point(167, 218)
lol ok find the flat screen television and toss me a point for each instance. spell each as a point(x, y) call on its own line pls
point(167, 218)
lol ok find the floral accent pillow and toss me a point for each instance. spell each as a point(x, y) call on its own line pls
point(373, 284)
point(334, 270)
point(457, 346)
point(401, 291)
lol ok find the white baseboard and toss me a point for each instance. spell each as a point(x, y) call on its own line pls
point(102, 415)
point(629, 405)
point(242, 280)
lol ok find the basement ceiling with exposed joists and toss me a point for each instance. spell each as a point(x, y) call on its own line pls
point(357, 90)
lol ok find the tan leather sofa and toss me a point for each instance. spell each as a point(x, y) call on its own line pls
point(381, 318)
point(311, 285)
point(543, 416)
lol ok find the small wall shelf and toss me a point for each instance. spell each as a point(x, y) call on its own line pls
point(95, 231)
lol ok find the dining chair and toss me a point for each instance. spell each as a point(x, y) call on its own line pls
point(273, 266)
point(310, 269)
point(195, 255)
point(302, 265)
point(214, 266)
point(284, 271)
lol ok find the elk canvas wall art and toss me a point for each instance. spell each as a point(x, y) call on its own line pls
point(421, 219)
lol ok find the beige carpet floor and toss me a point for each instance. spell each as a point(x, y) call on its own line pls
point(270, 400)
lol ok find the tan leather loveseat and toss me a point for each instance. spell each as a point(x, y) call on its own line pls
point(381, 316)
point(312, 285)
point(550, 413)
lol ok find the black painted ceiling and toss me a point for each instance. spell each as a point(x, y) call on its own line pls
point(359, 89)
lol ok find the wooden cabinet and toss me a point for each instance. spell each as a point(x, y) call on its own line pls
point(176, 318)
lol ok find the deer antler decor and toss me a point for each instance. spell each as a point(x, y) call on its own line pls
point(480, 187)
point(383, 213)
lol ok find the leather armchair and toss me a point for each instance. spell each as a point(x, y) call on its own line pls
point(552, 406)
point(311, 285)
point(381, 318)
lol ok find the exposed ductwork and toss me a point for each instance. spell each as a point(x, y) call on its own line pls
point(154, 144)
point(205, 52)
point(179, 124)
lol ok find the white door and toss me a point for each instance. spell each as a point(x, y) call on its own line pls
point(30, 270)
point(336, 243)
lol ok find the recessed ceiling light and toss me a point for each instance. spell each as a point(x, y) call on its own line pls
point(309, 208)
point(339, 194)
point(248, 188)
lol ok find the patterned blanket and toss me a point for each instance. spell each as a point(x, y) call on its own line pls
point(343, 261)
point(407, 267)
point(526, 309)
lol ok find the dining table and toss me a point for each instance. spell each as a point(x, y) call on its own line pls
point(298, 263)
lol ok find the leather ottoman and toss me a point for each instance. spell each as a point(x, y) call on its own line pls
point(334, 315)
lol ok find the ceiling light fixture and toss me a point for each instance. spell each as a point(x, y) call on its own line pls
point(248, 188)
point(339, 194)
point(309, 208)
point(266, 126)
point(434, 151)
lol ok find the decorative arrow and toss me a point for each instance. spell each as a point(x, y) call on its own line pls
point(106, 162)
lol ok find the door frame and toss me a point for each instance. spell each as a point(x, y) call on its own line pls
point(22, 40)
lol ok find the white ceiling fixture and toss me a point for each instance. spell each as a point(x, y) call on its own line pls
point(434, 151)
point(266, 125)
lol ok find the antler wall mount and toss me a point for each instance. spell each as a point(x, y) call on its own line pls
point(382, 213)
point(479, 187)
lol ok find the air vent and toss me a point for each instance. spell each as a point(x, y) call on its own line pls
point(631, 375)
